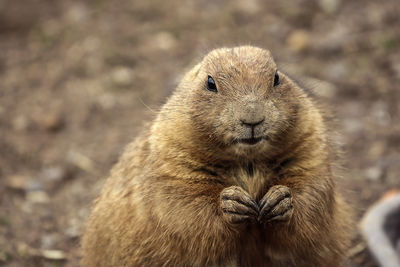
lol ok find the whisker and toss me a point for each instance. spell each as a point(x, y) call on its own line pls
point(144, 104)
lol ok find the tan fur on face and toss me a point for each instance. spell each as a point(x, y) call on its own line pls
point(161, 203)
point(244, 77)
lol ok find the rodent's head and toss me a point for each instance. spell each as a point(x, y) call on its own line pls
point(236, 100)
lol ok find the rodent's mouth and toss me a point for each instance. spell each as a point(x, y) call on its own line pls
point(250, 141)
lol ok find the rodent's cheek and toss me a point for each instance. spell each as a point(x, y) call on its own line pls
point(225, 127)
point(275, 119)
point(226, 132)
point(272, 111)
point(227, 138)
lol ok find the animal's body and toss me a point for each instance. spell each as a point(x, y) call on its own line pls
point(235, 170)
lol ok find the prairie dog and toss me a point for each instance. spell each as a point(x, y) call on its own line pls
point(235, 170)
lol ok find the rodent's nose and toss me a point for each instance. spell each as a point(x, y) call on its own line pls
point(252, 124)
point(251, 113)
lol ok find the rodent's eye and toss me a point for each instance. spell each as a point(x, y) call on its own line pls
point(276, 79)
point(211, 86)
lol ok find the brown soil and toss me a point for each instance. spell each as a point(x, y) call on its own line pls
point(79, 78)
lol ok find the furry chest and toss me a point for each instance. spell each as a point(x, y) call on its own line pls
point(253, 179)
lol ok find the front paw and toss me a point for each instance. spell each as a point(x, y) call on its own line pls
point(276, 205)
point(237, 206)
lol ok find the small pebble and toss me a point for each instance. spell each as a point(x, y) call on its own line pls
point(17, 182)
point(122, 76)
point(373, 173)
point(51, 122)
point(39, 197)
point(299, 41)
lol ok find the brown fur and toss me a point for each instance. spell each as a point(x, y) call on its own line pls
point(186, 193)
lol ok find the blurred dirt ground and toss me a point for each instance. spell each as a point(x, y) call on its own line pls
point(79, 78)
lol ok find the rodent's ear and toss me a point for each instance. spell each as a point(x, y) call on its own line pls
point(276, 79)
point(192, 74)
